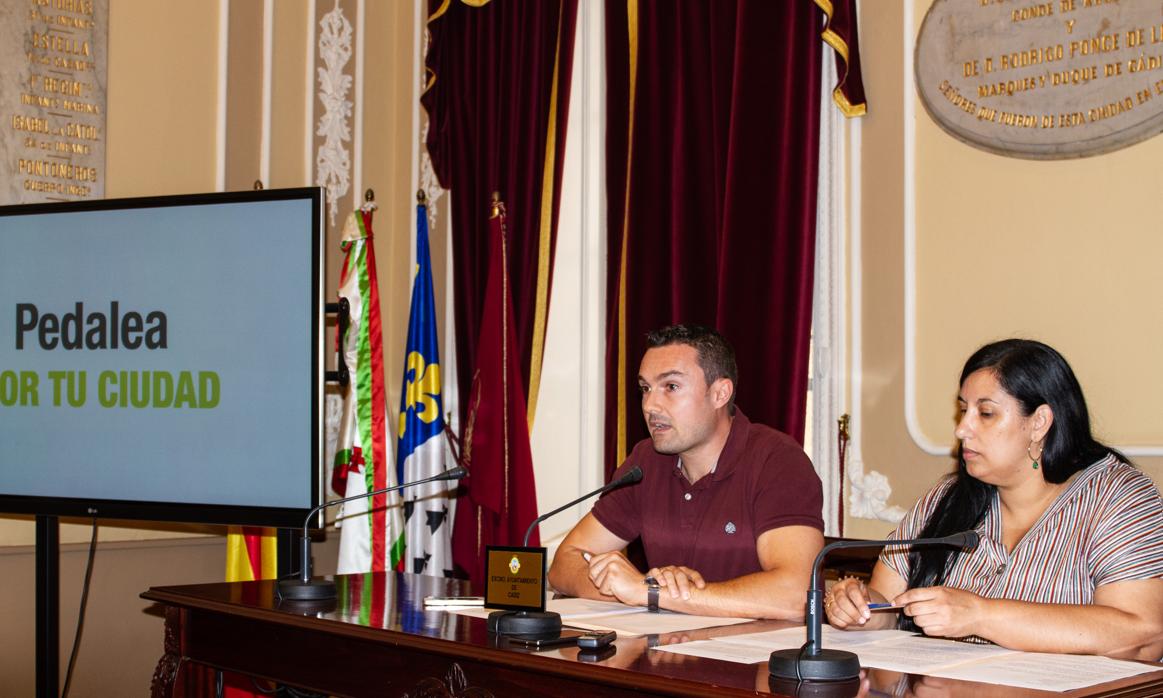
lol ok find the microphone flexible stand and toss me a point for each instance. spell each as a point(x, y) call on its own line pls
point(307, 589)
point(547, 623)
point(811, 662)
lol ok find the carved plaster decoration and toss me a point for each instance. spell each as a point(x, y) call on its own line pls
point(429, 183)
point(333, 161)
point(869, 493)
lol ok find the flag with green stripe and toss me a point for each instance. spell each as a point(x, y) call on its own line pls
point(371, 529)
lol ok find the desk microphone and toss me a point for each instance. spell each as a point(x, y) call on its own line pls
point(548, 622)
point(306, 589)
point(812, 662)
point(630, 477)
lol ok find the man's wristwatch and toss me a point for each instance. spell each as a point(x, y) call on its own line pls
point(651, 593)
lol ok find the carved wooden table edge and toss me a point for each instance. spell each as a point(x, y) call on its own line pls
point(180, 603)
point(178, 607)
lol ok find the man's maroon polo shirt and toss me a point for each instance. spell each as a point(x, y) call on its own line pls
point(763, 480)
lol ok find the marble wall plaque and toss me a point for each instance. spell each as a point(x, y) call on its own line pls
point(52, 99)
point(1043, 80)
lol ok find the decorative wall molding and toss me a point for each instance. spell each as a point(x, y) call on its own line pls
point(309, 94)
point(220, 112)
point(333, 161)
point(357, 188)
point(910, 219)
point(868, 491)
point(909, 122)
point(268, 53)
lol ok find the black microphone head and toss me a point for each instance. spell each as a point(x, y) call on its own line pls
point(632, 475)
point(969, 539)
point(454, 473)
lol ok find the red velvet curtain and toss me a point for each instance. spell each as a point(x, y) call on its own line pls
point(712, 137)
point(499, 82)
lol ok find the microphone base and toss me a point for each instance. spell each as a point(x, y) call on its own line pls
point(313, 590)
point(524, 623)
point(828, 665)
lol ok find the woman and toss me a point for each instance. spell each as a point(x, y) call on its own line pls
point(1071, 551)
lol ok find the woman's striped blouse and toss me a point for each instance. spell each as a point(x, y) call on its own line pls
point(1107, 526)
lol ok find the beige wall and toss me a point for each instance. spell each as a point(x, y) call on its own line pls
point(169, 133)
point(1064, 252)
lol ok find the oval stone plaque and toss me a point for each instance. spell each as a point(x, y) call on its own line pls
point(1043, 80)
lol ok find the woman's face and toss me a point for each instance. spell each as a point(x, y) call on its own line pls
point(994, 433)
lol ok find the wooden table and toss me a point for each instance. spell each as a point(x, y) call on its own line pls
point(376, 639)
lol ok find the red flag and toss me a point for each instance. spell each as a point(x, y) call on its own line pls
point(500, 498)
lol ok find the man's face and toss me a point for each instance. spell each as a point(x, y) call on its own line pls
point(679, 407)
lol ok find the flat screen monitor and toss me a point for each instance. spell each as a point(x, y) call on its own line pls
point(160, 358)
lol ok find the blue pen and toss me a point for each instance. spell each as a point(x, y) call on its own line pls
point(880, 606)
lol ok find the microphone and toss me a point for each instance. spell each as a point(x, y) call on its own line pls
point(546, 623)
point(630, 477)
point(306, 589)
point(811, 661)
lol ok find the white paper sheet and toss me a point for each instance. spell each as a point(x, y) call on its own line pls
point(897, 650)
point(568, 608)
point(749, 648)
point(630, 624)
point(625, 620)
point(790, 638)
point(1054, 672)
point(923, 655)
point(465, 611)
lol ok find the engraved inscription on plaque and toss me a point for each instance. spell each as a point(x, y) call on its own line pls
point(1043, 80)
point(52, 99)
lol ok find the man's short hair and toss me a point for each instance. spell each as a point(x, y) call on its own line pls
point(714, 352)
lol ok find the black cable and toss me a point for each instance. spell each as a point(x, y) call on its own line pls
point(81, 611)
point(800, 658)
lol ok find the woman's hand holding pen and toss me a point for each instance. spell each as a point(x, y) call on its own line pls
point(846, 603)
point(850, 602)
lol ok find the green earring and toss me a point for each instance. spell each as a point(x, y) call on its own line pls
point(1032, 458)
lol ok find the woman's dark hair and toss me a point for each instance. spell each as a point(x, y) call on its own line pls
point(1034, 375)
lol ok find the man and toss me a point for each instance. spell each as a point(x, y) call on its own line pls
point(728, 511)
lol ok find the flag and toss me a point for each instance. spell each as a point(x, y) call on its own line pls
point(500, 498)
point(251, 553)
point(420, 443)
point(371, 529)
